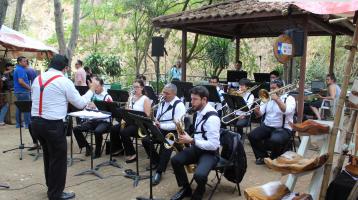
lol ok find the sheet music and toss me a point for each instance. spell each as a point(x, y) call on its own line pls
point(89, 114)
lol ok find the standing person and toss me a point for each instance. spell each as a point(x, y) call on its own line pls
point(21, 89)
point(275, 132)
point(80, 75)
point(175, 72)
point(334, 91)
point(170, 110)
point(202, 151)
point(8, 77)
point(4, 106)
point(31, 72)
point(49, 109)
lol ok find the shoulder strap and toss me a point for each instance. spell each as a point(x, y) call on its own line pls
point(170, 107)
point(203, 121)
point(174, 105)
point(284, 116)
point(42, 87)
point(104, 98)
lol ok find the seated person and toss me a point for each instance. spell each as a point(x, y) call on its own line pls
point(203, 146)
point(170, 110)
point(249, 99)
point(238, 67)
point(274, 132)
point(214, 80)
point(333, 94)
point(99, 126)
point(138, 101)
point(274, 75)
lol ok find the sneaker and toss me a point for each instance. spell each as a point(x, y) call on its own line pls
point(260, 161)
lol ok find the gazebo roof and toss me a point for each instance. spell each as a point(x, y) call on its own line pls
point(250, 18)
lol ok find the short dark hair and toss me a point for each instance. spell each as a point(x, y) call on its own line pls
point(86, 69)
point(101, 82)
point(276, 73)
point(332, 77)
point(244, 81)
point(20, 58)
point(239, 62)
point(215, 77)
point(59, 62)
point(80, 62)
point(201, 91)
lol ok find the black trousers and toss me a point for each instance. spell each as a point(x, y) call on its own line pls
point(33, 137)
point(52, 137)
point(98, 127)
point(265, 138)
point(241, 123)
point(162, 159)
point(126, 133)
point(206, 161)
point(116, 140)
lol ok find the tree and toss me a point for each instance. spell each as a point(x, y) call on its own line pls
point(68, 51)
point(217, 51)
point(3, 8)
point(18, 13)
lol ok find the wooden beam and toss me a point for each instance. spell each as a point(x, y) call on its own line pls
point(184, 39)
point(237, 53)
point(302, 73)
point(321, 25)
point(333, 49)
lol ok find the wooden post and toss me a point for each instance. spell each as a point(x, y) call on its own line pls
point(183, 54)
point(333, 49)
point(334, 131)
point(237, 54)
point(302, 74)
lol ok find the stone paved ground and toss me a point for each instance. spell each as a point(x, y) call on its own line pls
point(21, 173)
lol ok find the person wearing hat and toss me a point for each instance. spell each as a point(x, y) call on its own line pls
point(249, 99)
point(51, 93)
point(274, 132)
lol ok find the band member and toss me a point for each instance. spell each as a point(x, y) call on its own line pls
point(99, 126)
point(274, 75)
point(238, 67)
point(170, 110)
point(51, 93)
point(139, 102)
point(274, 133)
point(214, 80)
point(204, 146)
point(249, 99)
point(333, 94)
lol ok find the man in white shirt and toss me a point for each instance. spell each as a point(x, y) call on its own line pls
point(51, 93)
point(243, 120)
point(98, 126)
point(170, 110)
point(204, 146)
point(80, 75)
point(214, 81)
point(275, 132)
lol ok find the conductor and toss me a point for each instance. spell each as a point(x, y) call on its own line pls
point(51, 92)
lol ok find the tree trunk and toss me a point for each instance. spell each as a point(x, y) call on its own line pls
point(59, 27)
point(3, 8)
point(72, 44)
point(18, 13)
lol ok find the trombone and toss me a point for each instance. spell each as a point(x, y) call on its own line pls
point(264, 97)
point(239, 93)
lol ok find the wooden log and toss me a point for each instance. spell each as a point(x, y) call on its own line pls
point(334, 131)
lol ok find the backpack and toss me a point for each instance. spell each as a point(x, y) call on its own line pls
point(233, 150)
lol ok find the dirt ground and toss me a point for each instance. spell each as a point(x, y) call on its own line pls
point(26, 178)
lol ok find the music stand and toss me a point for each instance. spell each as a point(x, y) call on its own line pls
point(105, 106)
point(262, 77)
point(82, 89)
point(151, 94)
point(125, 114)
point(213, 94)
point(151, 131)
point(235, 76)
point(23, 106)
point(119, 95)
point(183, 89)
point(235, 102)
point(68, 130)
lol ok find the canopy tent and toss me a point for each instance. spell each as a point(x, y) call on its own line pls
point(14, 44)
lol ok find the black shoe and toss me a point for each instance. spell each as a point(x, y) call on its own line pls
point(35, 147)
point(67, 195)
point(118, 152)
point(156, 178)
point(88, 151)
point(259, 161)
point(154, 166)
point(184, 192)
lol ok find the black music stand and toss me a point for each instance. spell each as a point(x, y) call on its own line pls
point(125, 114)
point(183, 89)
point(82, 89)
point(151, 131)
point(235, 102)
point(105, 106)
point(151, 94)
point(213, 94)
point(235, 76)
point(119, 95)
point(262, 77)
point(23, 106)
point(68, 131)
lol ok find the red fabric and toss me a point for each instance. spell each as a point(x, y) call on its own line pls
point(42, 87)
point(328, 7)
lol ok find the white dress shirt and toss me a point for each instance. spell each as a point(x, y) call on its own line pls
point(274, 115)
point(249, 99)
point(212, 128)
point(56, 96)
point(218, 106)
point(163, 120)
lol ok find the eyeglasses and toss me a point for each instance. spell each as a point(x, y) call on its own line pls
point(137, 86)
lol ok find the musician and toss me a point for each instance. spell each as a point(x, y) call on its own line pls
point(138, 102)
point(238, 67)
point(204, 146)
point(170, 110)
point(99, 126)
point(214, 80)
point(249, 99)
point(48, 114)
point(274, 133)
point(274, 75)
point(334, 92)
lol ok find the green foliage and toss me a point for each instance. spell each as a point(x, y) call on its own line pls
point(108, 65)
point(248, 58)
point(217, 52)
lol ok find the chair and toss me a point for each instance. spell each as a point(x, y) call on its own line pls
point(326, 105)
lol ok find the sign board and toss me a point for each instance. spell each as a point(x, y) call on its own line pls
point(283, 48)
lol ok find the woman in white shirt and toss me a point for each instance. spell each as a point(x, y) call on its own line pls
point(138, 102)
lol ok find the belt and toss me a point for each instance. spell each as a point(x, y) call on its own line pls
point(36, 118)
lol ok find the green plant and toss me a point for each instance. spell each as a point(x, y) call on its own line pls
point(217, 52)
point(108, 65)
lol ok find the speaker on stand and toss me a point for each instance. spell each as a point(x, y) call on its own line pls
point(157, 51)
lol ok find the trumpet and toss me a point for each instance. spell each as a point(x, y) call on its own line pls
point(264, 97)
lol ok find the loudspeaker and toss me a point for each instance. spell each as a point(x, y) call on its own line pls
point(297, 37)
point(157, 46)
